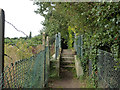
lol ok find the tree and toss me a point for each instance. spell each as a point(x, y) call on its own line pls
point(30, 35)
point(99, 22)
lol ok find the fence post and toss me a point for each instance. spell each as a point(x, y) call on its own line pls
point(47, 59)
point(48, 54)
point(43, 41)
point(75, 42)
point(81, 46)
point(2, 24)
point(59, 35)
point(43, 48)
point(56, 46)
point(78, 46)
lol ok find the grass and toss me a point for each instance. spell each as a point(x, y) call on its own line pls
point(87, 80)
point(53, 74)
point(16, 54)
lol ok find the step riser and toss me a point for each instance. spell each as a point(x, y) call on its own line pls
point(63, 64)
point(67, 59)
point(67, 55)
point(67, 62)
point(65, 50)
point(68, 67)
point(70, 53)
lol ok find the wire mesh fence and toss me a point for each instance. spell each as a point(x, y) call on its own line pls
point(78, 45)
point(107, 75)
point(56, 46)
point(26, 73)
point(52, 45)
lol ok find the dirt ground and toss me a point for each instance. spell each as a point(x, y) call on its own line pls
point(67, 80)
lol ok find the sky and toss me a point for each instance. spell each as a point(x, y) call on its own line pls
point(21, 14)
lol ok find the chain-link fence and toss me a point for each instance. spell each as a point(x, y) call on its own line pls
point(107, 75)
point(57, 45)
point(52, 45)
point(26, 73)
point(78, 42)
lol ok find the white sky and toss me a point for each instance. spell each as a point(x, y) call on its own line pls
point(21, 14)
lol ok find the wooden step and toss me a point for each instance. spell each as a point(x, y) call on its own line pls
point(67, 50)
point(67, 57)
point(68, 61)
point(67, 66)
point(67, 54)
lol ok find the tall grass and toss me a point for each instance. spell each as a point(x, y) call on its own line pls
point(16, 54)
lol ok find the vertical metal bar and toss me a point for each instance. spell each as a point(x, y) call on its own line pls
point(59, 35)
point(44, 59)
point(47, 59)
point(2, 24)
point(43, 41)
point(79, 40)
point(56, 46)
point(12, 75)
point(75, 42)
point(81, 46)
point(44, 65)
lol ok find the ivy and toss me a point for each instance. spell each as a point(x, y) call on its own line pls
point(98, 22)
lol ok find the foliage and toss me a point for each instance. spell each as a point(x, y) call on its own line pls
point(70, 42)
point(31, 41)
point(98, 22)
point(21, 48)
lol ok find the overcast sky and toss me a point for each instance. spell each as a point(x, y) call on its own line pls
point(21, 14)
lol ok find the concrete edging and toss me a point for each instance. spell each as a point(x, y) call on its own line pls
point(78, 67)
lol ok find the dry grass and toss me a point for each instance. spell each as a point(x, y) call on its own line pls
point(16, 54)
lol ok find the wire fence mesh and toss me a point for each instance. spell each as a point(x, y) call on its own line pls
point(78, 45)
point(107, 75)
point(26, 73)
point(52, 45)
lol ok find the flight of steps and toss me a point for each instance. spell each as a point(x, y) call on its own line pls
point(67, 59)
